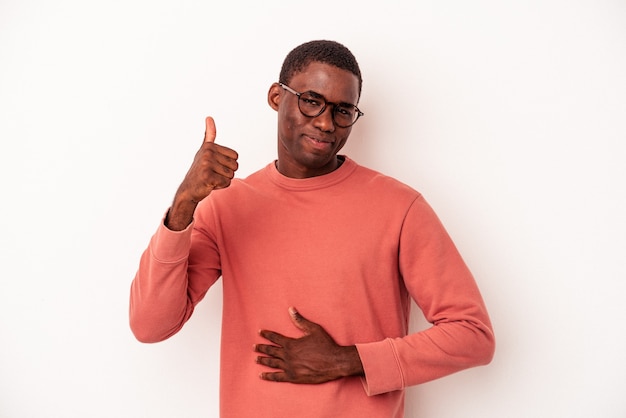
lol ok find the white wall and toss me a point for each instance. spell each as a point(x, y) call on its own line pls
point(508, 116)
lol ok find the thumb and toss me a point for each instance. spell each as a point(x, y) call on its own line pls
point(210, 132)
point(299, 321)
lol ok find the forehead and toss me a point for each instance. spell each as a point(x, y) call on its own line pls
point(335, 84)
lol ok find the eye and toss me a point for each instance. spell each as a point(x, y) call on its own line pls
point(347, 111)
point(311, 100)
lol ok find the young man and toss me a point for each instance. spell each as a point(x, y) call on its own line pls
point(320, 254)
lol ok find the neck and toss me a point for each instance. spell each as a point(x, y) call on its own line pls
point(303, 173)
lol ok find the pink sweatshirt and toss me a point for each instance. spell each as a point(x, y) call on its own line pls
point(348, 250)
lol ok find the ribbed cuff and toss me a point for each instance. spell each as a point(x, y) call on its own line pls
point(169, 246)
point(381, 366)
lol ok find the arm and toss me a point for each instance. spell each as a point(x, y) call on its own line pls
point(443, 287)
point(162, 295)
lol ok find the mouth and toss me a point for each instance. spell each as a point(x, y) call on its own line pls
point(319, 143)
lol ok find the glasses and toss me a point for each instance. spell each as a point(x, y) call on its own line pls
point(313, 104)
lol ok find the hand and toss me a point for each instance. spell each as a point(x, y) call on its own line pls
point(213, 168)
point(313, 358)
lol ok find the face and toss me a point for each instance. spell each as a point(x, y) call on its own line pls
point(308, 147)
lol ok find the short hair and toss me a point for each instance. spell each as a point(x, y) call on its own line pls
point(327, 52)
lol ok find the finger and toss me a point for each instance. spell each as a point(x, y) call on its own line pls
point(274, 337)
point(226, 158)
point(274, 376)
point(210, 131)
point(301, 322)
point(274, 363)
point(270, 350)
point(223, 171)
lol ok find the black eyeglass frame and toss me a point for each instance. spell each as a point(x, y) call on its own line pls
point(326, 103)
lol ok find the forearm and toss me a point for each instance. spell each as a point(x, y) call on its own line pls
point(443, 349)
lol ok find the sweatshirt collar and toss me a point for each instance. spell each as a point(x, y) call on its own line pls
point(311, 183)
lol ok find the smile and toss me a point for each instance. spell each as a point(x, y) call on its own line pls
point(319, 141)
point(319, 145)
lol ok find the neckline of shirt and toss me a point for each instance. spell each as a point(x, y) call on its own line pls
point(311, 183)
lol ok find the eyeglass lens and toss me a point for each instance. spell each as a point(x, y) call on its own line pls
point(313, 105)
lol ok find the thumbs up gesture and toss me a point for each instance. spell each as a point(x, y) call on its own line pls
point(213, 168)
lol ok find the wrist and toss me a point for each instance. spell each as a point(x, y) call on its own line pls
point(180, 214)
point(352, 365)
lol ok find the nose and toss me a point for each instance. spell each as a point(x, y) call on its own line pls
point(324, 121)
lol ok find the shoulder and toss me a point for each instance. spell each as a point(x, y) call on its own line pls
point(384, 183)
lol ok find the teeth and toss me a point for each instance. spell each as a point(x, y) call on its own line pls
point(319, 140)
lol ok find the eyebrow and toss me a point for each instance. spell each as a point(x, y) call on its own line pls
point(321, 96)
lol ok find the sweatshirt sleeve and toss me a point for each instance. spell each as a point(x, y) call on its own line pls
point(436, 277)
point(166, 289)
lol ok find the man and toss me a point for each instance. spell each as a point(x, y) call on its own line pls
point(319, 254)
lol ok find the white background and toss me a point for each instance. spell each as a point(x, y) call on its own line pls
point(508, 116)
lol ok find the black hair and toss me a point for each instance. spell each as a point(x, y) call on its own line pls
point(327, 52)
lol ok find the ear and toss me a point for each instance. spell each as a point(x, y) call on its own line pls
point(274, 95)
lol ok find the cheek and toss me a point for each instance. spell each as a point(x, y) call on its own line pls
point(287, 121)
point(342, 141)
